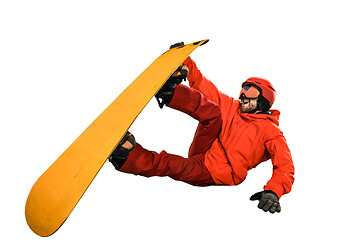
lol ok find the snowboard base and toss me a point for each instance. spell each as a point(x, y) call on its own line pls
point(58, 190)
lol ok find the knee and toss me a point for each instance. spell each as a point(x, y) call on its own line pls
point(213, 113)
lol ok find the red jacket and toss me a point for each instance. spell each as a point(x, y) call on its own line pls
point(245, 140)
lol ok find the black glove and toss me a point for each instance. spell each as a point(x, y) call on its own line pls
point(182, 69)
point(177, 45)
point(269, 201)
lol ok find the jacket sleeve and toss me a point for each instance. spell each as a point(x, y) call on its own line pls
point(283, 168)
point(203, 85)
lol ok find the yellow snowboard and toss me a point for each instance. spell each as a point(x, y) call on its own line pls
point(58, 190)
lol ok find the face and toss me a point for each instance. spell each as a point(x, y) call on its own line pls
point(248, 98)
point(247, 105)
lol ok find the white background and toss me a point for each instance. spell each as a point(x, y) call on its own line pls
point(63, 62)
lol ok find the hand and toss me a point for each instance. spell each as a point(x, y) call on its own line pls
point(182, 72)
point(269, 201)
point(177, 45)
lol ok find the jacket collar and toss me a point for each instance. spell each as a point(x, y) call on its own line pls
point(272, 115)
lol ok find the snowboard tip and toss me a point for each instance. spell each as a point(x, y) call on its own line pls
point(202, 42)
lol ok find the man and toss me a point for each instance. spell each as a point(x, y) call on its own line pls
point(233, 136)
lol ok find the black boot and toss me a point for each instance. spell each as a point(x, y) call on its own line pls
point(166, 93)
point(120, 154)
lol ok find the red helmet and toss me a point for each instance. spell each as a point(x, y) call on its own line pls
point(267, 89)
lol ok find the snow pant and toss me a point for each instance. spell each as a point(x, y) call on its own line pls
point(191, 169)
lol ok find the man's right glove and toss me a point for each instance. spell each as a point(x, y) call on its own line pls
point(269, 201)
point(177, 45)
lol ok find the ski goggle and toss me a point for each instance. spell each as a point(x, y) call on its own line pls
point(250, 92)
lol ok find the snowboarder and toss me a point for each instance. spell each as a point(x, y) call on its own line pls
point(233, 136)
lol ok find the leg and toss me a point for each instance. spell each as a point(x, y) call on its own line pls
point(148, 163)
point(190, 170)
point(193, 103)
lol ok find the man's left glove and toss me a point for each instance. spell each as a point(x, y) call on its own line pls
point(269, 201)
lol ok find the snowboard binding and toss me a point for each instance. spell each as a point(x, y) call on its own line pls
point(165, 94)
point(121, 153)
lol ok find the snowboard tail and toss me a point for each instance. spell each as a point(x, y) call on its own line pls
point(58, 190)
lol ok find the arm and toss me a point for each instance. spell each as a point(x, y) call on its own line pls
point(283, 171)
point(202, 84)
point(283, 168)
